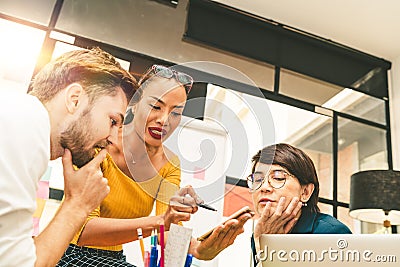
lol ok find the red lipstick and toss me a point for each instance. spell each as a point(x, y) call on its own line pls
point(157, 132)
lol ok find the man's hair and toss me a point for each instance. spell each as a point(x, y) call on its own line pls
point(296, 162)
point(95, 70)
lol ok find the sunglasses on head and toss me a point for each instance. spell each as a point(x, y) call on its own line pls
point(182, 78)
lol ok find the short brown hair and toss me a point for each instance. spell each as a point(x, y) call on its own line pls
point(296, 162)
point(96, 70)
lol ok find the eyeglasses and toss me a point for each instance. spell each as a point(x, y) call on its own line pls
point(276, 178)
point(182, 78)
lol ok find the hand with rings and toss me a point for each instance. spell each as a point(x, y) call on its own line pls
point(181, 206)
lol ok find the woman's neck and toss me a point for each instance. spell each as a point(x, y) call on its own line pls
point(153, 151)
point(139, 160)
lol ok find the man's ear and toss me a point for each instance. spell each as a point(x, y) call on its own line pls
point(73, 97)
point(306, 192)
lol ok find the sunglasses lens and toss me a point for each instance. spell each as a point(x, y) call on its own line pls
point(184, 78)
point(163, 71)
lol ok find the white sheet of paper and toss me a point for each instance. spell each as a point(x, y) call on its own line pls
point(177, 245)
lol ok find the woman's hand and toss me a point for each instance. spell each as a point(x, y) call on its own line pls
point(279, 222)
point(222, 237)
point(181, 206)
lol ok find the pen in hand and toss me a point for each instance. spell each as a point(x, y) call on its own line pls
point(202, 205)
point(205, 206)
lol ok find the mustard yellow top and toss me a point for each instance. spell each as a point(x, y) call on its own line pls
point(129, 199)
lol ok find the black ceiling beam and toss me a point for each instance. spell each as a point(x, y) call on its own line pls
point(236, 31)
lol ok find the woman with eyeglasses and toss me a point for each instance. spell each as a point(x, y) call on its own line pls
point(142, 172)
point(284, 186)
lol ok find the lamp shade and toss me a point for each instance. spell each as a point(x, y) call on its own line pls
point(375, 196)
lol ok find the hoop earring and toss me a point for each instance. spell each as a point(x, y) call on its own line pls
point(128, 116)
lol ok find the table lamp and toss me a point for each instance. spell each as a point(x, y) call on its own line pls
point(375, 197)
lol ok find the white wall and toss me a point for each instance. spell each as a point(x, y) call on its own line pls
point(394, 94)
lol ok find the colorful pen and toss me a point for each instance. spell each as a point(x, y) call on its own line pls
point(162, 244)
point(140, 237)
point(189, 259)
point(153, 256)
point(147, 259)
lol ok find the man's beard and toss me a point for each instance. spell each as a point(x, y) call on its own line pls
point(77, 138)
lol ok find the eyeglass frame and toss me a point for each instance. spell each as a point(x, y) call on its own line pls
point(171, 73)
point(286, 173)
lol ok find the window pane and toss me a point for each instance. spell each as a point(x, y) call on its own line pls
point(140, 25)
point(361, 147)
point(331, 96)
point(38, 11)
point(62, 47)
point(19, 50)
point(323, 164)
point(248, 122)
point(325, 208)
point(344, 217)
point(359, 105)
point(260, 122)
point(305, 88)
point(315, 138)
